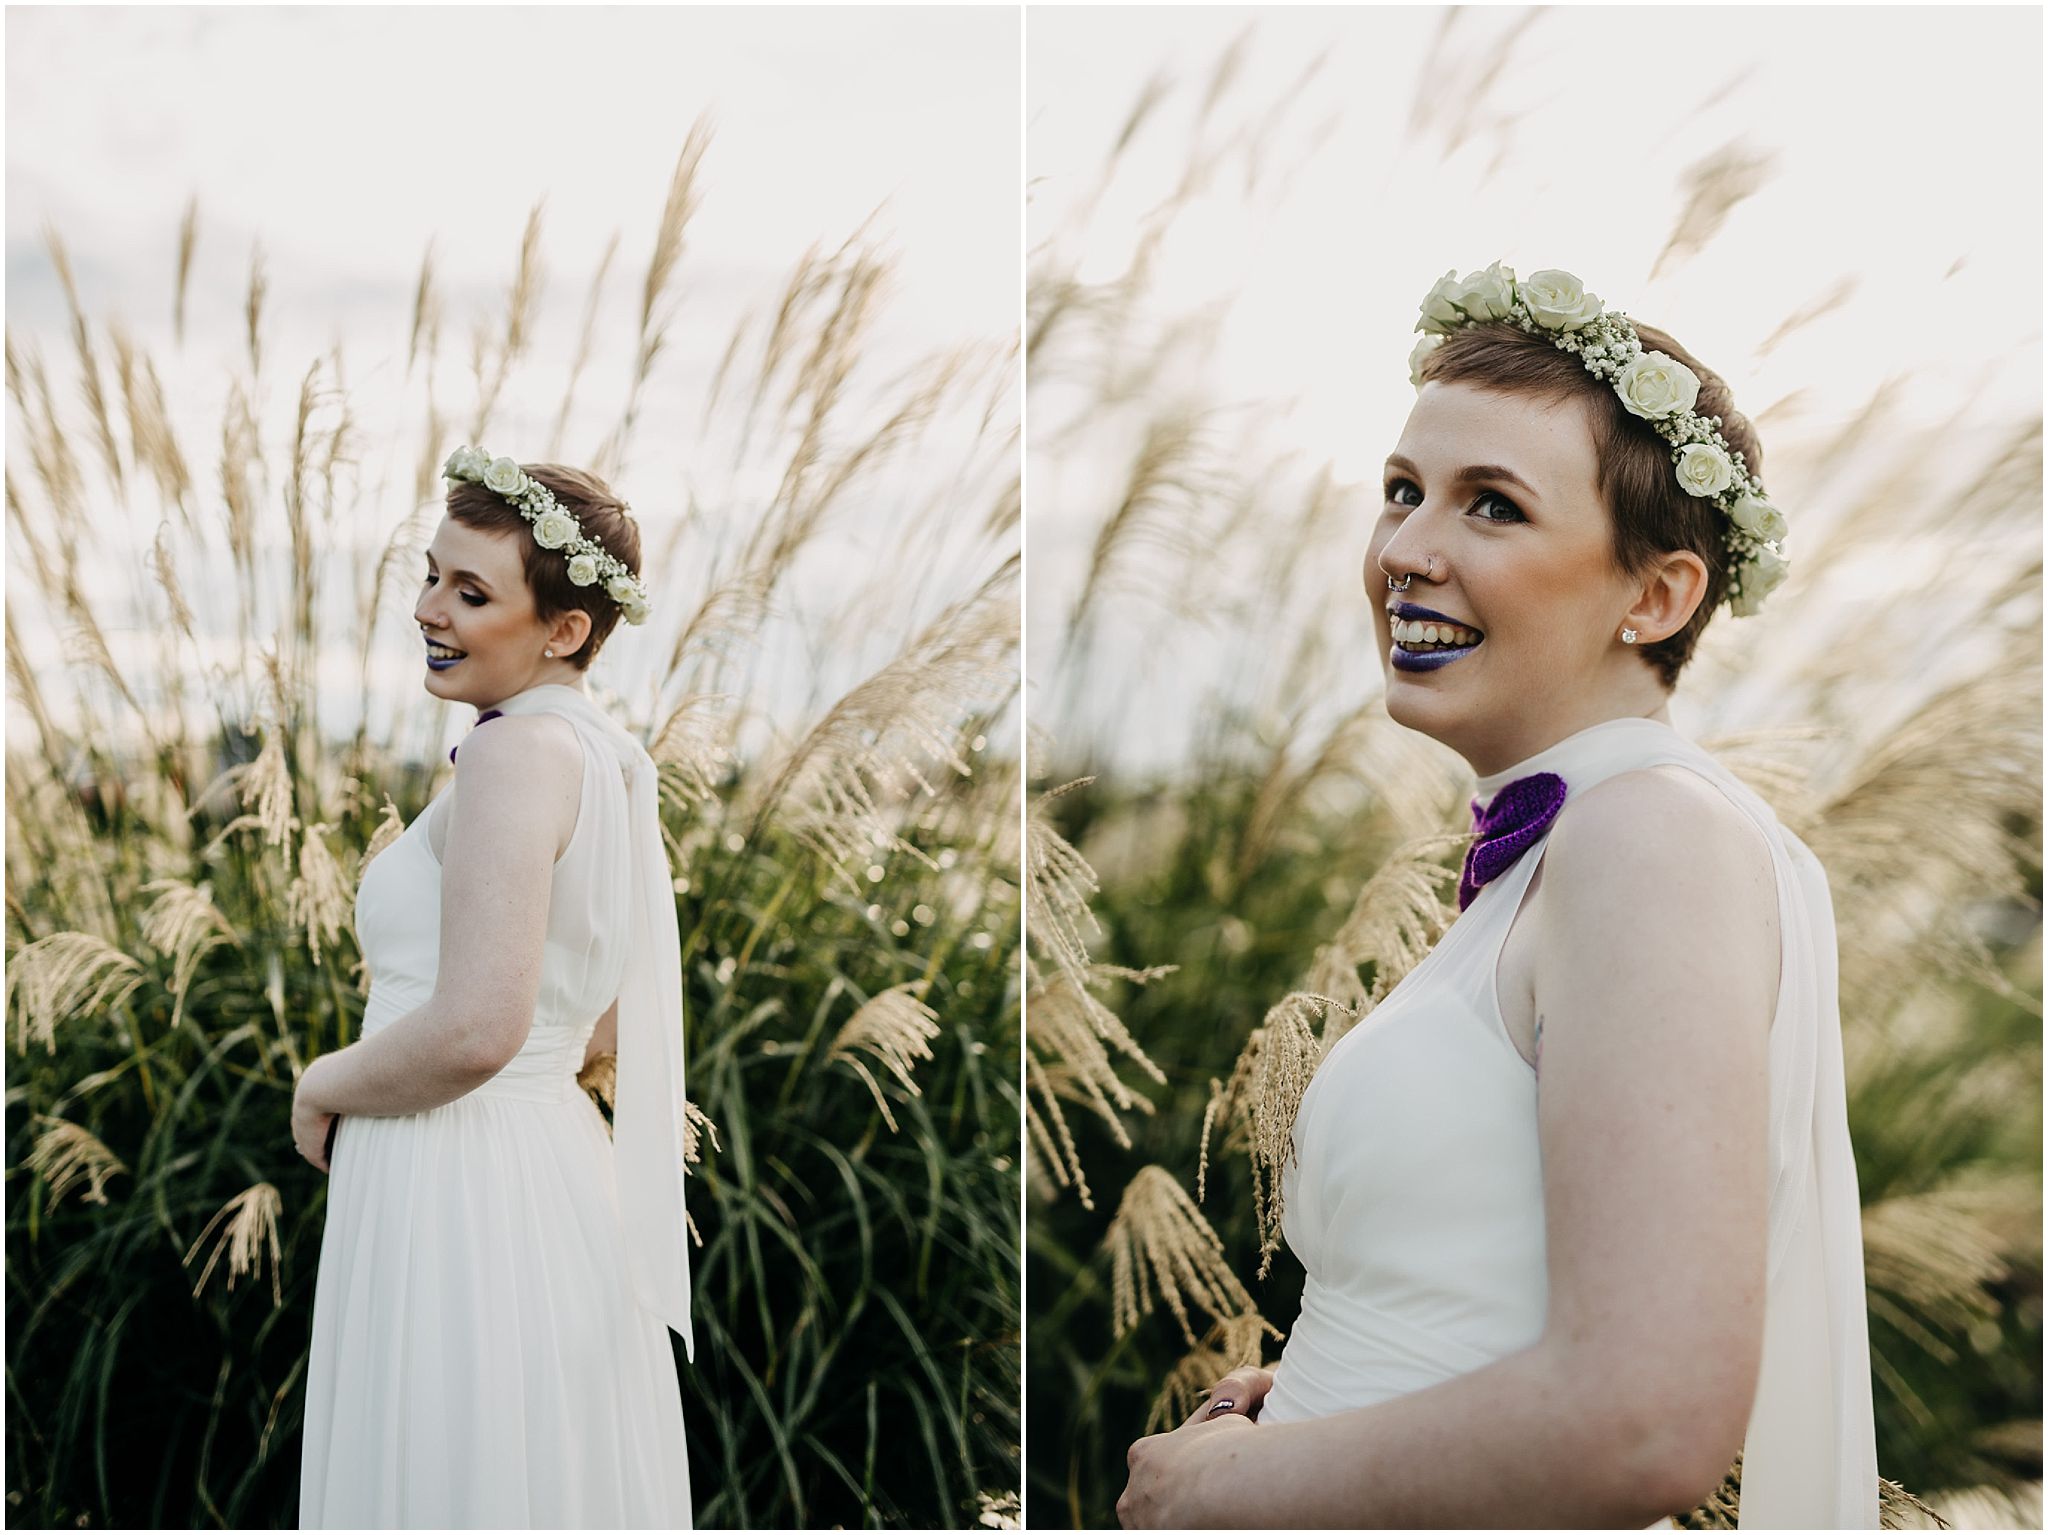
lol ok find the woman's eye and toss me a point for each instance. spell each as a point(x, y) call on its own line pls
point(473, 599)
point(1514, 512)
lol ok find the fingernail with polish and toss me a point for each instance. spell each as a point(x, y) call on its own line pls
point(1223, 1406)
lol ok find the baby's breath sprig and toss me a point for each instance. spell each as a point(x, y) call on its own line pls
point(1658, 388)
point(554, 527)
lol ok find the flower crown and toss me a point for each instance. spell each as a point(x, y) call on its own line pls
point(554, 527)
point(1658, 388)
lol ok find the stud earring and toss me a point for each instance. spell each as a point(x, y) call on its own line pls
point(1628, 636)
point(547, 652)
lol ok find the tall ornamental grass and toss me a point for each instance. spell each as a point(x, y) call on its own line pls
point(216, 725)
point(1201, 932)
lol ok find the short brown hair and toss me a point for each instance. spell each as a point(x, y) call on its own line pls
point(1650, 513)
point(604, 520)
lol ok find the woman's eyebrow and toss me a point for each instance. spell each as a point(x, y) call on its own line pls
point(1469, 472)
point(464, 575)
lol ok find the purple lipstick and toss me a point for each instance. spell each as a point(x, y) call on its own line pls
point(1425, 660)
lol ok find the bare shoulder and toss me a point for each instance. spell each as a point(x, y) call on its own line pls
point(1661, 854)
point(522, 770)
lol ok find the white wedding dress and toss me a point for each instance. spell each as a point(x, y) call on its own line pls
point(479, 1358)
point(1415, 1200)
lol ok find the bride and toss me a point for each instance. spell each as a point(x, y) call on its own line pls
point(1576, 1201)
point(498, 1279)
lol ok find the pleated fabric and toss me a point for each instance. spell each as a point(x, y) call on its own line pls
point(480, 1357)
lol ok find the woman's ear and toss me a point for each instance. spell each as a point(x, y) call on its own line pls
point(1670, 596)
point(569, 632)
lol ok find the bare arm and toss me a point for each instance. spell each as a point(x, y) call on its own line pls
point(1657, 982)
point(518, 784)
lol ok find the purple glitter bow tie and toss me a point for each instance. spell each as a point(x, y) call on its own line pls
point(488, 714)
point(1520, 813)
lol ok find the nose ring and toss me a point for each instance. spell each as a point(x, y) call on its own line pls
point(1429, 573)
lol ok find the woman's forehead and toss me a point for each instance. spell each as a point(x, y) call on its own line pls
point(477, 549)
point(1546, 441)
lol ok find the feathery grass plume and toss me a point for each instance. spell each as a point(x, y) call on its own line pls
point(896, 1028)
point(1057, 885)
point(248, 1225)
point(164, 566)
point(267, 789)
point(64, 977)
point(1067, 1053)
point(252, 308)
point(1897, 1509)
point(66, 1153)
point(1256, 1107)
point(184, 925)
point(600, 1079)
point(1000, 1511)
point(320, 899)
point(389, 829)
point(1714, 187)
point(520, 303)
point(1913, 835)
point(689, 754)
point(882, 739)
point(677, 210)
point(88, 364)
point(150, 431)
point(696, 1125)
point(1229, 1344)
point(1159, 1239)
point(188, 240)
point(584, 342)
point(426, 314)
point(1933, 1256)
point(1395, 921)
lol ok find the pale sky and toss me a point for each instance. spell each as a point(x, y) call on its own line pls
point(344, 139)
point(1908, 157)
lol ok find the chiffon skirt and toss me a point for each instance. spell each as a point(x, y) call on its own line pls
point(478, 1360)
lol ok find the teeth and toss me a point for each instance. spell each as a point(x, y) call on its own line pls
point(443, 653)
point(1413, 633)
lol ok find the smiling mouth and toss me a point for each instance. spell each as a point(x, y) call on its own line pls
point(439, 652)
point(1422, 637)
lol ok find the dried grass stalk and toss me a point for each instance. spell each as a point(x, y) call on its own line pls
point(63, 977)
point(896, 1028)
point(1159, 1240)
point(66, 1153)
point(248, 1231)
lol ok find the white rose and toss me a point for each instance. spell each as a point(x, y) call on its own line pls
point(1438, 312)
point(504, 477)
point(1655, 386)
point(1423, 348)
point(553, 529)
point(1761, 575)
point(1487, 295)
point(583, 570)
point(636, 611)
point(1758, 517)
point(1559, 301)
point(1704, 470)
point(622, 590)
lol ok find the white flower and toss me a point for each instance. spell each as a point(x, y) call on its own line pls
point(466, 464)
point(1760, 576)
point(504, 477)
point(1438, 312)
point(1704, 470)
point(1559, 301)
point(554, 529)
point(1423, 348)
point(636, 611)
point(1487, 295)
point(622, 590)
point(1758, 517)
point(583, 570)
point(1655, 386)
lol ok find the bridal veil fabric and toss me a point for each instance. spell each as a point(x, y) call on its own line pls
point(1415, 1197)
point(498, 1276)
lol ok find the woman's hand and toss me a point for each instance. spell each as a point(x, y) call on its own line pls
point(1163, 1492)
point(310, 1122)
